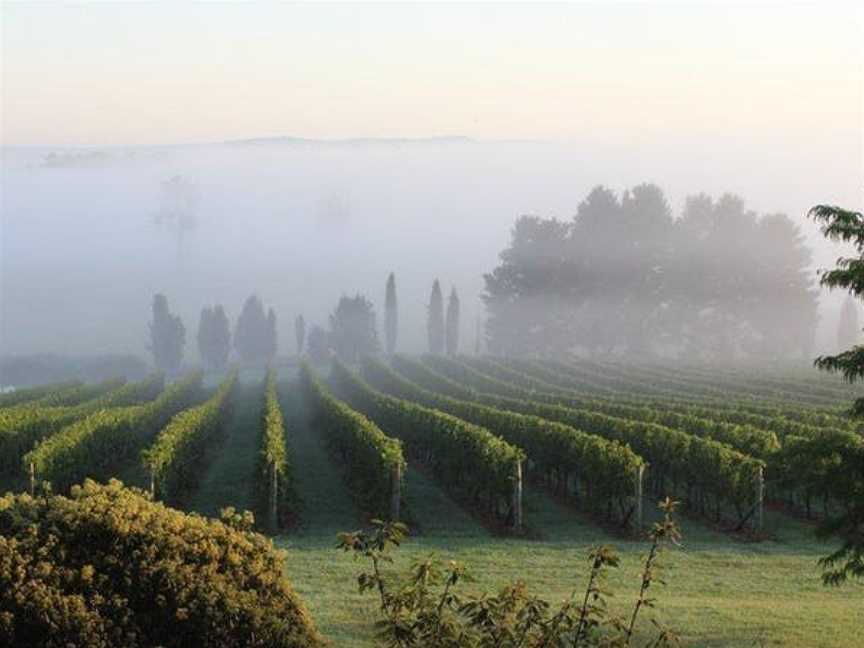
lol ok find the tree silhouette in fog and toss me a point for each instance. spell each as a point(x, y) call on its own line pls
point(300, 333)
point(624, 276)
point(255, 333)
point(214, 337)
point(391, 315)
point(848, 328)
point(452, 324)
point(352, 328)
point(318, 345)
point(167, 336)
point(435, 321)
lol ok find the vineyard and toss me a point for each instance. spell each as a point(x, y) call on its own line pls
point(517, 467)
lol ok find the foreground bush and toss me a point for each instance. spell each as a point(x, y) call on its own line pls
point(424, 608)
point(108, 567)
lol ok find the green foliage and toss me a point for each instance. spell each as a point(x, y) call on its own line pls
point(605, 471)
point(29, 394)
point(24, 425)
point(107, 567)
point(437, 382)
point(167, 336)
point(368, 455)
point(77, 394)
point(466, 458)
point(95, 445)
point(703, 466)
point(426, 608)
point(845, 225)
point(273, 457)
point(175, 458)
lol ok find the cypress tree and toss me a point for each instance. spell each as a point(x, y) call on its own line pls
point(391, 315)
point(452, 331)
point(435, 323)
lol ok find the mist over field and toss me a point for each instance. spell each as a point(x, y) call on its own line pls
point(302, 222)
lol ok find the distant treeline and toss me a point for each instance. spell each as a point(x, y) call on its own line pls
point(626, 276)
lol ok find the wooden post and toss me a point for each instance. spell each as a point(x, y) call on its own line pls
point(395, 491)
point(640, 477)
point(517, 497)
point(274, 498)
point(760, 499)
point(32, 479)
point(152, 485)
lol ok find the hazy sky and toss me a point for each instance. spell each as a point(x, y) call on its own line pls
point(123, 73)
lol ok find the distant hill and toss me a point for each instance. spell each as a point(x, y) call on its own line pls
point(358, 142)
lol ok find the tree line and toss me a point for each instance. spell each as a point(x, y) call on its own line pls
point(351, 334)
point(626, 276)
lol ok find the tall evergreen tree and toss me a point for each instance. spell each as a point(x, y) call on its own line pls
point(352, 328)
point(300, 333)
point(214, 338)
point(391, 315)
point(435, 323)
point(452, 330)
point(167, 336)
point(255, 335)
point(848, 328)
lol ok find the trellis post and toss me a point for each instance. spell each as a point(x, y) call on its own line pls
point(32, 478)
point(760, 498)
point(517, 497)
point(395, 490)
point(152, 484)
point(640, 477)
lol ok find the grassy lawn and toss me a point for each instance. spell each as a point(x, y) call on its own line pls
point(721, 591)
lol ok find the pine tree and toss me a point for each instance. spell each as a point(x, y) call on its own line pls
point(167, 336)
point(452, 331)
point(391, 315)
point(435, 323)
point(848, 329)
point(300, 333)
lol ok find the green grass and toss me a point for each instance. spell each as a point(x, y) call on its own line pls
point(229, 478)
point(721, 591)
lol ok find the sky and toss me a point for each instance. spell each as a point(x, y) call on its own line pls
point(765, 101)
point(98, 74)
